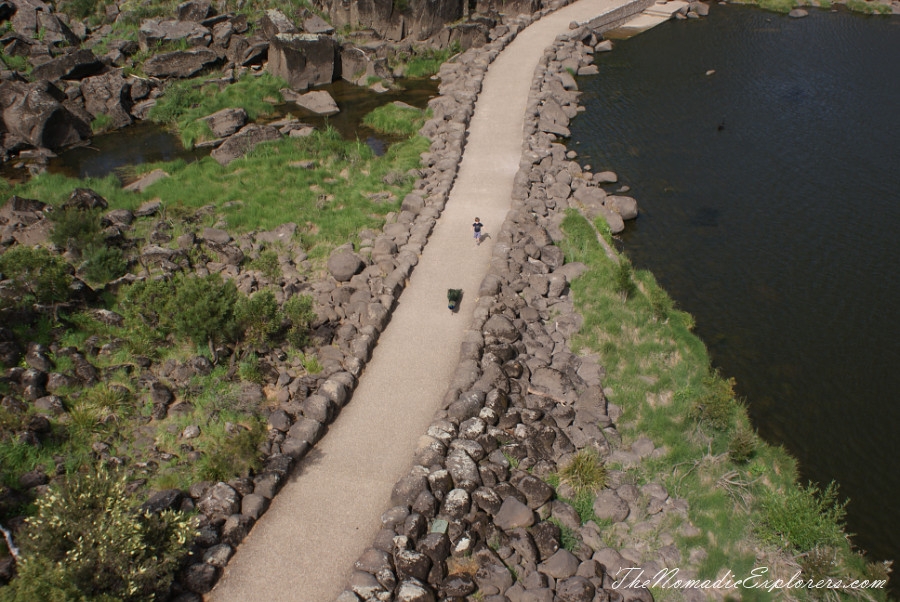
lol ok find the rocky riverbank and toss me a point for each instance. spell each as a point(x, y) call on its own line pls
point(476, 509)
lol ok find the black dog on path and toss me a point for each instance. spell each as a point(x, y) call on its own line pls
point(454, 296)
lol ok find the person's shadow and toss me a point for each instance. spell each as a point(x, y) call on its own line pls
point(484, 237)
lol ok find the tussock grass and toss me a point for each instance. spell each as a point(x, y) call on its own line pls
point(585, 472)
point(659, 373)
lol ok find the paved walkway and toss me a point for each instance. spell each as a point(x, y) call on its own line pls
point(304, 546)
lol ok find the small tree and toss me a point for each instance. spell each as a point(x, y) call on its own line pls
point(203, 308)
point(75, 228)
point(299, 312)
point(88, 542)
point(33, 276)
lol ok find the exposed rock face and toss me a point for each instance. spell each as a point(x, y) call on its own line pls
point(302, 60)
point(419, 20)
point(35, 113)
point(180, 64)
point(109, 95)
point(74, 65)
point(155, 32)
point(243, 142)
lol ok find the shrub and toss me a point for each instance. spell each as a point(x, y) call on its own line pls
point(742, 446)
point(258, 317)
point(715, 404)
point(87, 542)
point(803, 519)
point(76, 229)
point(623, 278)
point(233, 454)
point(298, 310)
point(197, 308)
point(660, 302)
point(145, 304)
point(267, 263)
point(248, 370)
point(33, 276)
point(204, 308)
point(102, 264)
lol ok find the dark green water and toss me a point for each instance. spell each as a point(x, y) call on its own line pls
point(778, 230)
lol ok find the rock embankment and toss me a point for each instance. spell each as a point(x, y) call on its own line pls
point(476, 513)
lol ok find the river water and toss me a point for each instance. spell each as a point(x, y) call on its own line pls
point(771, 211)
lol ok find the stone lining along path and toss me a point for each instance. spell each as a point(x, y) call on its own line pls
point(303, 548)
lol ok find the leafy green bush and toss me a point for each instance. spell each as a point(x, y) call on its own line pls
point(33, 276)
point(103, 264)
point(258, 317)
point(298, 310)
point(802, 519)
point(88, 542)
point(74, 228)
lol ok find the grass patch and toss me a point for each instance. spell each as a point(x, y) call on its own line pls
point(427, 62)
point(779, 6)
point(395, 119)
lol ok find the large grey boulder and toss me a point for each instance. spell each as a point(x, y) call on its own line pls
point(219, 502)
point(608, 505)
point(54, 30)
point(194, 10)
point(154, 32)
point(226, 122)
point(274, 22)
point(625, 206)
point(180, 64)
point(319, 102)
point(344, 264)
point(303, 60)
point(243, 142)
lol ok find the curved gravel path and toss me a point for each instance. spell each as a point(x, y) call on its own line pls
point(303, 548)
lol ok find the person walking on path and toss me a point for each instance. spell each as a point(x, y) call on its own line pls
point(477, 227)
